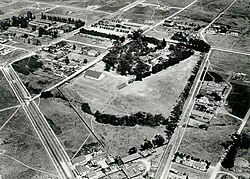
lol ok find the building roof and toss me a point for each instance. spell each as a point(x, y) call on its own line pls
point(200, 165)
point(79, 159)
point(123, 85)
point(131, 158)
point(93, 74)
point(81, 169)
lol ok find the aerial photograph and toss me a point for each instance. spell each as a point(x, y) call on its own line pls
point(124, 89)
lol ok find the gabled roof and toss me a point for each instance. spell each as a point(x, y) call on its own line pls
point(93, 74)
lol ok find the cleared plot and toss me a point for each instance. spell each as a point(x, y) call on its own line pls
point(7, 97)
point(170, 3)
point(104, 42)
point(21, 143)
point(115, 5)
point(68, 127)
point(11, 56)
point(228, 62)
point(228, 42)
point(146, 14)
point(14, 6)
point(207, 144)
point(88, 16)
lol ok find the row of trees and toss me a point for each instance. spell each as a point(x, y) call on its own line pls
point(95, 33)
point(140, 118)
point(78, 23)
point(42, 31)
point(236, 142)
point(175, 114)
point(157, 141)
point(20, 21)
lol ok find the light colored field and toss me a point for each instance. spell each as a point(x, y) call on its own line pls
point(146, 14)
point(104, 42)
point(5, 115)
point(88, 16)
point(170, 3)
point(112, 6)
point(23, 145)
point(7, 97)
point(228, 62)
point(207, 145)
point(11, 56)
point(73, 129)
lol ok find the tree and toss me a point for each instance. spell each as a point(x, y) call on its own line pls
point(158, 140)
point(85, 61)
point(132, 150)
point(66, 60)
point(86, 108)
point(74, 47)
point(147, 145)
point(29, 15)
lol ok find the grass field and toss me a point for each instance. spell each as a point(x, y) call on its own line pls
point(155, 94)
point(71, 130)
point(11, 56)
point(207, 145)
point(104, 42)
point(7, 97)
point(146, 14)
point(228, 62)
point(5, 115)
point(88, 16)
point(171, 3)
point(112, 6)
point(22, 146)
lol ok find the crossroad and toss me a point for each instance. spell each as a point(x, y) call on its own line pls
point(52, 145)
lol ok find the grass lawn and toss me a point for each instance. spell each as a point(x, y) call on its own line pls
point(7, 96)
point(207, 145)
point(23, 144)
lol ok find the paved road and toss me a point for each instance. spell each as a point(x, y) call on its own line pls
point(161, 22)
point(52, 145)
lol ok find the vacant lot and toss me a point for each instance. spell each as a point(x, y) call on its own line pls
point(171, 3)
point(207, 145)
point(21, 143)
point(88, 16)
point(11, 56)
point(70, 130)
point(104, 42)
point(7, 96)
point(228, 62)
point(146, 14)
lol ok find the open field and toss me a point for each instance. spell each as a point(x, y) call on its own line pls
point(170, 3)
point(112, 6)
point(68, 127)
point(88, 16)
point(229, 42)
point(11, 56)
point(14, 6)
point(146, 14)
point(5, 115)
point(7, 97)
point(160, 91)
point(228, 62)
point(21, 143)
point(93, 40)
point(207, 145)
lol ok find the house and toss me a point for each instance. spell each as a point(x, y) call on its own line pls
point(131, 158)
point(110, 160)
point(82, 170)
point(123, 85)
point(199, 165)
point(94, 75)
point(93, 53)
